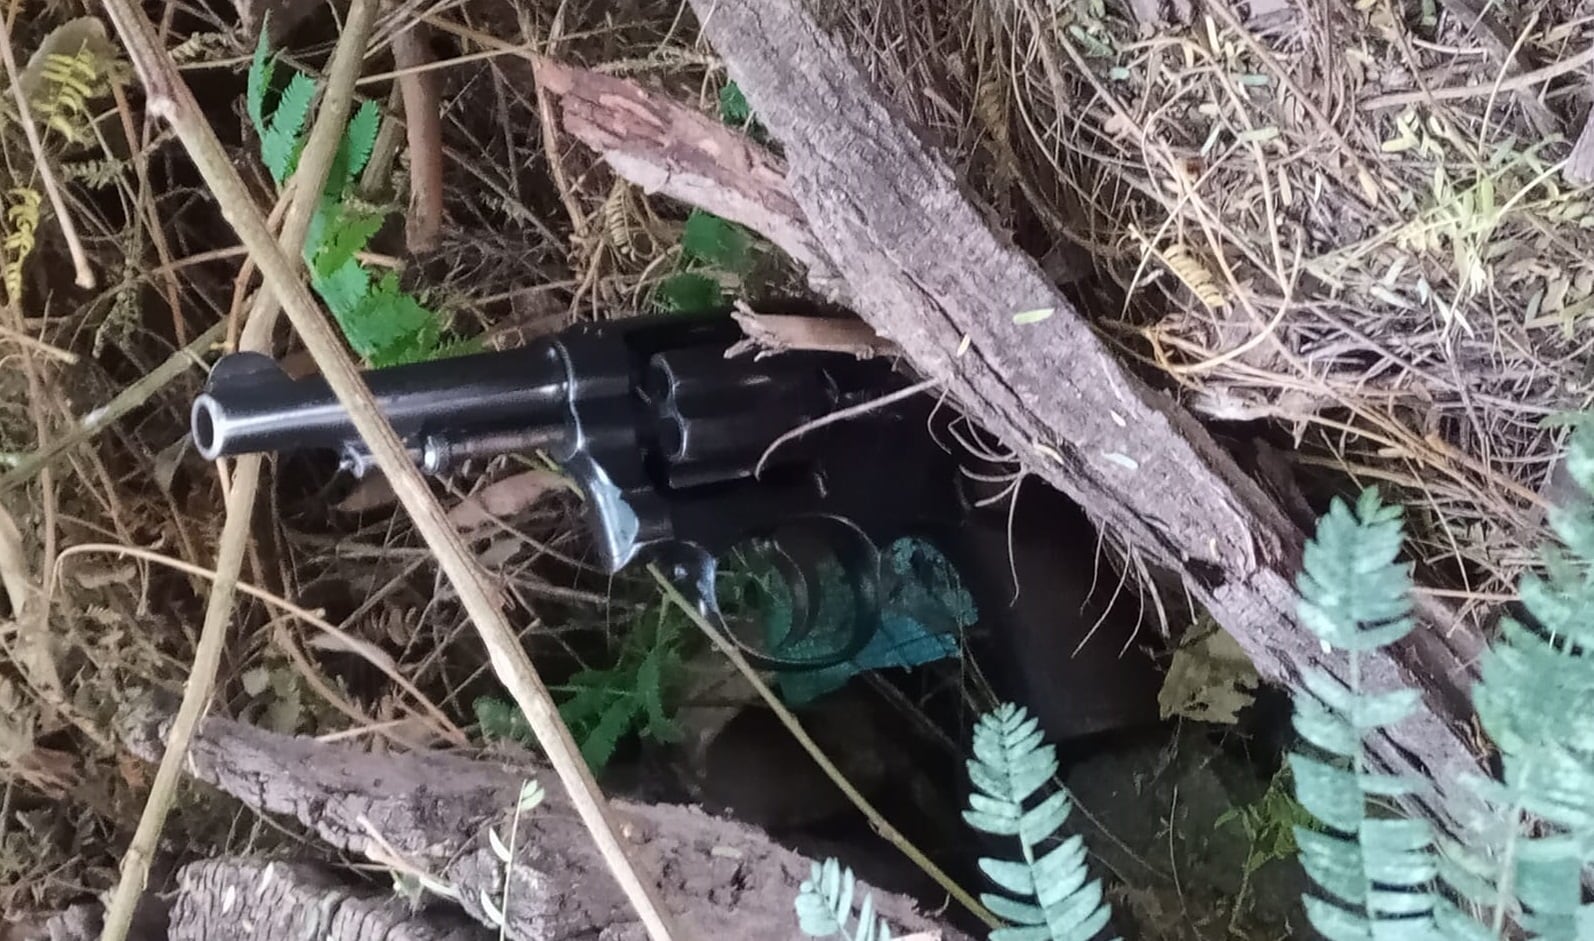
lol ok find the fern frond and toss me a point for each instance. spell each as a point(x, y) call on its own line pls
point(347, 234)
point(1050, 895)
point(261, 68)
point(74, 64)
point(1356, 596)
point(354, 148)
point(824, 906)
point(280, 145)
point(22, 222)
point(1377, 873)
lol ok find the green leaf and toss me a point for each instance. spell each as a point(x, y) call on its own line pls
point(354, 149)
point(1329, 793)
point(598, 746)
point(689, 292)
point(734, 109)
point(824, 906)
point(1051, 897)
point(346, 236)
point(261, 68)
point(717, 243)
point(280, 145)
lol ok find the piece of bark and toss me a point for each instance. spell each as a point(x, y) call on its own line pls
point(665, 147)
point(925, 269)
point(718, 877)
point(232, 899)
point(777, 333)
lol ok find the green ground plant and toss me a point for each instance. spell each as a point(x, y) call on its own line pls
point(1383, 876)
point(383, 324)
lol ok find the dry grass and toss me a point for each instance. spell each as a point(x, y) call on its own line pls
point(1397, 289)
point(1343, 226)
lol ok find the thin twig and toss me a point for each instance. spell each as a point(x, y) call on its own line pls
point(80, 260)
point(876, 821)
point(154, 65)
point(841, 415)
point(106, 415)
point(445, 726)
point(169, 98)
point(1514, 83)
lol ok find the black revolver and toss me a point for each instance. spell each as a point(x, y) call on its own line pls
point(684, 457)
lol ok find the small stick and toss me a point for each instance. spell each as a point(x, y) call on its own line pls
point(842, 414)
point(171, 99)
point(154, 65)
point(877, 822)
point(1514, 83)
point(423, 125)
point(106, 415)
point(80, 260)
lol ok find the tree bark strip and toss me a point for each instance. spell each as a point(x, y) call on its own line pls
point(925, 269)
point(719, 878)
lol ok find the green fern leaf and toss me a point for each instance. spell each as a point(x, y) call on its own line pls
point(598, 745)
point(261, 68)
point(824, 906)
point(345, 291)
point(1328, 793)
point(346, 236)
point(1050, 896)
point(1355, 596)
point(354, 148)
point(1334, 863)
point(280, 145)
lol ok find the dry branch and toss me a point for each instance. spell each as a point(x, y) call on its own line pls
point(315, 163)
point(423, 126)
point(720, 878)
point(171, 99)
point(665, 147)
point(926, 270)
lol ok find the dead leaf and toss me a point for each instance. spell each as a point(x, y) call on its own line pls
point(373, 492)
point(504, 498)
point(1209, 680)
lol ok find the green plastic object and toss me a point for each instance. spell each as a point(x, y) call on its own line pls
point(924, 608)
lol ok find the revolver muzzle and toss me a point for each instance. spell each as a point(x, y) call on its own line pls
point(250, 405)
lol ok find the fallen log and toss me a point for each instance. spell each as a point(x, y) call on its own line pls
point(434, 814)
point(921, 264)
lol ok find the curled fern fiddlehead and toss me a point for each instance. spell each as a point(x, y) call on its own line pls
point(1050, 896)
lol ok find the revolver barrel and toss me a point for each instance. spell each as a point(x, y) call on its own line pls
point(439, 408)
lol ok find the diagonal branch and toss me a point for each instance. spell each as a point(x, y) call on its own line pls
point(314, 164)
point(171, 99)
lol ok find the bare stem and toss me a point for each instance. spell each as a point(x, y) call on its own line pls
point(156, 69)
point(171, 99)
